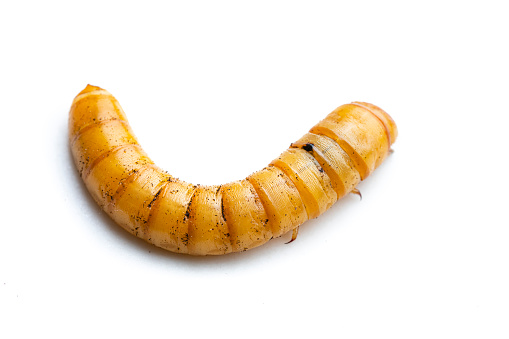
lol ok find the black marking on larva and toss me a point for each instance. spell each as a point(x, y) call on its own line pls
point(222, 205)
point(155, 197)
point(227, 233)
point(186, 215)
point(308, 147)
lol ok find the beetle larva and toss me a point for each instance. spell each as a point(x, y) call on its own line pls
point(303, 182)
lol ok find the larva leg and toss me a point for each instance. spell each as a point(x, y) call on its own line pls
point(303, 182)
point(356, 191)
point(295, 232)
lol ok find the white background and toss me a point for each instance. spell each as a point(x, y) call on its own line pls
point(214, 91)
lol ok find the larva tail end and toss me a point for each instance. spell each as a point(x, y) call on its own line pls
point(90, 88)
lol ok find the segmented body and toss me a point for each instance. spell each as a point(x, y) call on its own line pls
point(303, 182)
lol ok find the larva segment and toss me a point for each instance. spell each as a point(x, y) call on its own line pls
point(111, 169)
point(334, 161)
point(245, 215)
point(208, 231)
point(280, 198)
point(168, 222)
point(359, 133)
point(310, 179)
point(96, 139)
point(131, 204)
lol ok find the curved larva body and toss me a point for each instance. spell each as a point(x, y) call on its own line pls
point(302, 183)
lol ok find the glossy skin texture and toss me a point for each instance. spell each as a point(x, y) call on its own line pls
point(302, 183)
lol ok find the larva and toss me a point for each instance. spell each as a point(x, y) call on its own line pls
point(303, 182)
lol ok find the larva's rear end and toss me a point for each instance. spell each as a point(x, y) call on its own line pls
point(307, 179)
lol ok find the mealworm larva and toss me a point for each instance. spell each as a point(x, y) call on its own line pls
point(303, 182)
